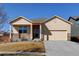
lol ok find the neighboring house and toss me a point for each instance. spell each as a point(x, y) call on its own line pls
point(4, 37)
point(55, 28)
point(75, 26)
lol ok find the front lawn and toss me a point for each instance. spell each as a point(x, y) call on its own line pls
point(22, 47)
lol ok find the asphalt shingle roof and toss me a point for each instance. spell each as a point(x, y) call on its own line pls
point(38, 20)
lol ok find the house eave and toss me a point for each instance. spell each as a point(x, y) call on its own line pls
point(20, 17)
point(59, 18)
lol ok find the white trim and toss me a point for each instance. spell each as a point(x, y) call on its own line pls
point(22, 17)
point(10, 31)
point(59, 18)
point(40, 31)
point(31, 34)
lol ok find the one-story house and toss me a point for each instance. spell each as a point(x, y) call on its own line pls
point(54, 28)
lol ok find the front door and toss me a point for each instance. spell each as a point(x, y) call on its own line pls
point(36, 31)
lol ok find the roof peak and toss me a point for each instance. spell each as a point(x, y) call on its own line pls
point(56, 16)
point(20, 17)
point(76, 18)
point(41, 19)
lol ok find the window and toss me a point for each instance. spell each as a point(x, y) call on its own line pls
point(22, 29)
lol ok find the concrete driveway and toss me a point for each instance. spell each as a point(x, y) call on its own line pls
point(61, 48)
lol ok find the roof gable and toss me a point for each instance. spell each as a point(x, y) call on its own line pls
point(58, 18)
point(39, 21)
point(19, 18)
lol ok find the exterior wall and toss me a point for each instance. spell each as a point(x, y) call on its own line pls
point(25, 35)
point(21, 22)
point(16, 34)
point(15, 29)
point(69, 36)
point(56, 24)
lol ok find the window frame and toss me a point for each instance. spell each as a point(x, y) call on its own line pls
point(23, 29)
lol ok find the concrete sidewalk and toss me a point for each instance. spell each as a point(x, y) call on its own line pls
point(61, 48)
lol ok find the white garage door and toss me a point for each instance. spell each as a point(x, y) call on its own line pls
point(57, 35)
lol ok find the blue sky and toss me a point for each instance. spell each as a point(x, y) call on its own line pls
point(41, 10)
point(31, 10)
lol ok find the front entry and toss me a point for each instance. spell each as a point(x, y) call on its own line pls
point(36, 31)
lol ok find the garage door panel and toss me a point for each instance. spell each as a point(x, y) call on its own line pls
point(57, 35)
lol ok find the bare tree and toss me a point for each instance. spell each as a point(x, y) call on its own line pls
point(3, 17)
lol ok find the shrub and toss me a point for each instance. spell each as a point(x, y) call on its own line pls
point(74, 39)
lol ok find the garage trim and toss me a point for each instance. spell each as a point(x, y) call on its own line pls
point(47, 37)
point(57, 30)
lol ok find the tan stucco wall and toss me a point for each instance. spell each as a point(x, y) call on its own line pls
point(14, 29)
point(25, 35)
point(56, 24)
point(21, 22)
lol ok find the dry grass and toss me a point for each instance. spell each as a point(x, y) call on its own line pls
point(22, 47)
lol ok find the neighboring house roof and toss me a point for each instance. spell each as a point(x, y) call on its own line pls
point(76, 18)
point(74, 26)
point(59, 18)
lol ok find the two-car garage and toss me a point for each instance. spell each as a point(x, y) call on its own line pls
point(58, 28)
point(58, 35)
